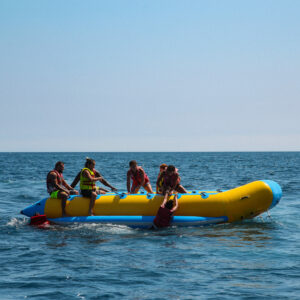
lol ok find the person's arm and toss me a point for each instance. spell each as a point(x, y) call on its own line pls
point(53, 179)
point(76, 180)
point(165, 200)
point(103, 181)
point(128, 181)
point(142, 174)
point(176, 204)
point(87, 174)
point(104, 190)
point(169, 190)
point(68, 187)
point(178, 180)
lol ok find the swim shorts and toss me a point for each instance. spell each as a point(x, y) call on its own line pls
point(86, 193)
point(54, 194)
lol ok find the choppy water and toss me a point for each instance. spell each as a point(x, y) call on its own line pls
point(250, 260)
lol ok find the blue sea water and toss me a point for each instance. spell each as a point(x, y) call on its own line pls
point(254, 259)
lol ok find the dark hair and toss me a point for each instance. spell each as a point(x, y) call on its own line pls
point(169, 204)
point(89, 161)
point(132, 163)
point(59, 163)
point(170, 168)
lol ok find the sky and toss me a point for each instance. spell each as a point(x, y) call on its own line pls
point(149, 75)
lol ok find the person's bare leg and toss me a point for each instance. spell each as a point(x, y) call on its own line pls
point(148, 188)
point(100, 192)
point(180, 189)
point(92, 203)
point(63, 196)
point(74, 192)
point(135, 189)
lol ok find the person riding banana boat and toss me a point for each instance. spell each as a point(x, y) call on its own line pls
point(88, 183)
point(99, 190)
point(139, 179)
point(171, 181)
point(57, 187)
point(159, 183)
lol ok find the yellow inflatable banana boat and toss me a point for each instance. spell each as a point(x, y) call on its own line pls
point(138, 210)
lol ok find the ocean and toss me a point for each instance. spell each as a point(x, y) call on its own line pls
point(254, 259)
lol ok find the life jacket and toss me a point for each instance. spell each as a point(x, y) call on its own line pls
point(136, 178)
point(85, 183)
point(161, 182)
point(171, 180)
point(50, 187)
point(163, 217)
point(77, 178)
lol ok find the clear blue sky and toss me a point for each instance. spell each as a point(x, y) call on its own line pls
point(149, 75)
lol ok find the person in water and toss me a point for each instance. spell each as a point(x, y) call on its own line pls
point(171, 181)
point(57, 186)
point(165, 212)
point(99, 190)
point(159, 184)
point(139, 178)
point(88, 183)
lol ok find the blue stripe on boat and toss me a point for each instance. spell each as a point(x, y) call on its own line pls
point(140, 221)
point(276, 190)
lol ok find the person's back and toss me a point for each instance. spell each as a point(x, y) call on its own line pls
point(163, 217)
point(164, 214)
point(54, 181)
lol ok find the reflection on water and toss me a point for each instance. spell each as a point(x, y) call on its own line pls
point(251, 232)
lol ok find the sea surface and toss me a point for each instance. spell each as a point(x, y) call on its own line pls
point(254, 259)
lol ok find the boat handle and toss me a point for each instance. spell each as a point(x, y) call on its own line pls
point(245, 197)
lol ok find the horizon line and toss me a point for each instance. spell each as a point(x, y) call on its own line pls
point(191, 151)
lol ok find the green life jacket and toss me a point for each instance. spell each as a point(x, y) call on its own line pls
point(85, 183)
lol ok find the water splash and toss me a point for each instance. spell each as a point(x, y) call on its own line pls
point(17, 222)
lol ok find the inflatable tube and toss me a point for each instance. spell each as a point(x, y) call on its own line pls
point(138, 210)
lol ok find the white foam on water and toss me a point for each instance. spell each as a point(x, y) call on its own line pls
point(17, 222)
point(115, 229)
point(103, 228)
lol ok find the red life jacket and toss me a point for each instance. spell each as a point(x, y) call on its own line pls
point(163, 217)
point(136, 177)
point(50, 187)
point(171, 180)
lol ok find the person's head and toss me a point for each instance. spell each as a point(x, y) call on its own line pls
point(170, 169)
point(163, 167)
point(169, 204)
point(59, 166)
point(90, 163)
point(133, 165)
